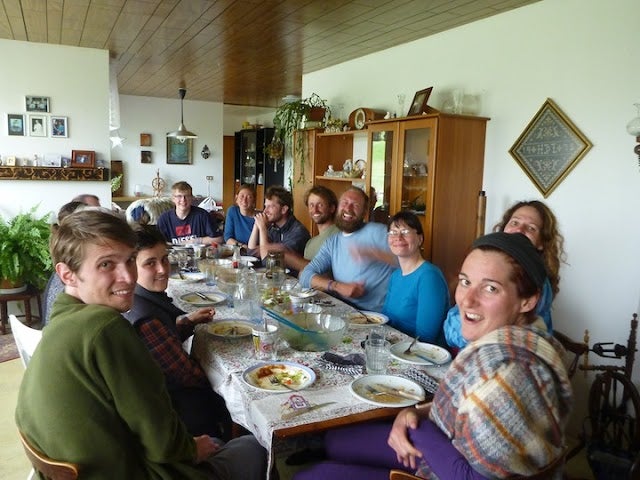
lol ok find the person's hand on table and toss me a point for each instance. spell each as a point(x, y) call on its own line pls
point(202, 315)
point(206, 446)
point(409, 418)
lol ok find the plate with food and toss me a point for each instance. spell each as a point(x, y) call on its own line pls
point(187, 277)
point(387, 391)
point(367, 319)
point(279, 376)
point(230, 328)
point(421, 353)
point(198, 299)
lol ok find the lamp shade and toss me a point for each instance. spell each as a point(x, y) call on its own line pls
point(182, 133)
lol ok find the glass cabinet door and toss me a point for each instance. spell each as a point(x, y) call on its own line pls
point(248, 157)
point(414, 190)
point(381, 152)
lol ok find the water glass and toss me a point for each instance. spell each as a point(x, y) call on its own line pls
point(183, 260)
point(377, 355)
point(265, 341)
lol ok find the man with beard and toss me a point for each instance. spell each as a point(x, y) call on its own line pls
point(276, 229)
point(358, 257)
point(321, 203)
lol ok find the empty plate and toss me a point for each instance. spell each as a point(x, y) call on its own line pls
point(387, 390)
point(294, 375)
point(188, 277)
point(421, 353)
point(198, 301)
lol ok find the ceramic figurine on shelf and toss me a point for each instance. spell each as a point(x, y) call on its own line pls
point(329, 172)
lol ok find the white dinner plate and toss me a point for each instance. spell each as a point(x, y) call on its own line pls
point(433, 354)
point(230, 328)
point(295, 375)
point(249, 259)
point(359, 389)
point(358, 319)
point(188, 277)
point(196, 300)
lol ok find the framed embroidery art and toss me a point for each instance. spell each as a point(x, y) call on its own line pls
point(549, 147)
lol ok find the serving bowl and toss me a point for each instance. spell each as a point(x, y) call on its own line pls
point(309, 332)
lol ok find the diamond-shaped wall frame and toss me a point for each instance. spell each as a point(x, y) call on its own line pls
point(549, 148)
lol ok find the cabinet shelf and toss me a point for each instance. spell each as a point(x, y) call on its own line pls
point(339, 179)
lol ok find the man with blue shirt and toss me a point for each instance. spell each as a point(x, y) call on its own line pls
point(356, 263)
point(187, 223)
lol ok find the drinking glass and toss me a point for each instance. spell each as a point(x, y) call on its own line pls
point(377, 355)
point(183, 260)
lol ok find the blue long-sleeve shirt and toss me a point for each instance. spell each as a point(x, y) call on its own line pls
point(335, 257)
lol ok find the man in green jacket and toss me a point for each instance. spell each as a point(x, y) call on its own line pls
point(92, 394)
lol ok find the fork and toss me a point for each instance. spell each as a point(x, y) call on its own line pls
point(275, 381)
point(408, 350)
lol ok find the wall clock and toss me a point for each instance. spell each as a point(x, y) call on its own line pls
point(360, 116)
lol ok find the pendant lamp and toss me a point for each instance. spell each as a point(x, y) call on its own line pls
point(182, 133)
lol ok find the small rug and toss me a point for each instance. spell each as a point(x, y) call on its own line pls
point(8, 349)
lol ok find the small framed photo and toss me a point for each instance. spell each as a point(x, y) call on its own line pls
point(36, 103)
point(145, 139)
point(83, 159)
point(37, 126)
point(419, 104)
point(179, 153)
point(10, 161)
point(15, 124)
point(59, 127)
point(145, 156)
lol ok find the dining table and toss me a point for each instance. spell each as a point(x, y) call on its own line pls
point(275, 418)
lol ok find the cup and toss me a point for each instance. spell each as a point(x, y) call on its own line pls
point(265, 341)
point(377, 355)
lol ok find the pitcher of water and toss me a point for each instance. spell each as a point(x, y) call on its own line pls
point(274, 264)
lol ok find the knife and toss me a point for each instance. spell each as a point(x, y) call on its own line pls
point(300, 411)
point(399, 393)
point(202, 296)
point(422, 357)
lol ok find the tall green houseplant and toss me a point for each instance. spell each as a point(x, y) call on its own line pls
point(288, 118)
point(24, 249)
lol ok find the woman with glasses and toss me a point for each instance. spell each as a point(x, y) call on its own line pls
point(418, 297)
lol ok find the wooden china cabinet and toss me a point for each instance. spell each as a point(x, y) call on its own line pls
point(431, 165)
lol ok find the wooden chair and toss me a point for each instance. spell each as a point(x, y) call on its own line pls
point(576, 348)
point(51, 469)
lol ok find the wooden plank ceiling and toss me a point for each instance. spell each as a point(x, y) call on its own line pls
point(242, 52)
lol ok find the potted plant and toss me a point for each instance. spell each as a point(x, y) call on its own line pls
point(24, 250)
point(289, 118)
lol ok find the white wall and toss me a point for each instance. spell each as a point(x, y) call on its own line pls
point(584, 55)
point(158, 116)
point(77, 82)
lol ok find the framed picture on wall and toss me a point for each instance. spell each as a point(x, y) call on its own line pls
point(59, 127)
point(145, 156)
point(145, 139)
point(83, 159)
point(179, 153)
point(37, 126)
point(36, 103)
point(15, 124)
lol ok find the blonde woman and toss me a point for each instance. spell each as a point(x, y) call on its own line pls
point(240, 217)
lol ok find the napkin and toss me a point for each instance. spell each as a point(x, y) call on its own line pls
point(352, 364)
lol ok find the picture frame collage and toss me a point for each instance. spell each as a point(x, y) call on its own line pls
point(37, 122)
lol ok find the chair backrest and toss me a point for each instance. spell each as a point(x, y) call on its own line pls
point(26, 338)
point(51, 469)
point(577, 349)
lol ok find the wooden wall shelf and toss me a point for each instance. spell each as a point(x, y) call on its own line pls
point(54, 173)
